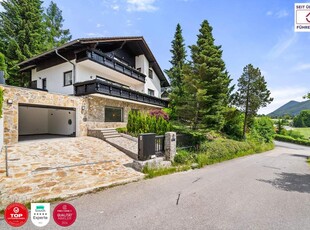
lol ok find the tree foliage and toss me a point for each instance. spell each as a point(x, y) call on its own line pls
point(252, 94)
point(25, 33)
point(206, 83)
point(21, 34)
point(2, 63)
point(175, 73)
point(303, 119)
point(56, 35)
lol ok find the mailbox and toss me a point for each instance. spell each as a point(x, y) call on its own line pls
point(146, 146)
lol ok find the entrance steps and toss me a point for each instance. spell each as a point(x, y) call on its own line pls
point(122, 143)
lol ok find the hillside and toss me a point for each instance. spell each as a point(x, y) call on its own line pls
point(291, 108)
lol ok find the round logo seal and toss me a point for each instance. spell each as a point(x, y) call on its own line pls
point(16, 214)
point(64, 214)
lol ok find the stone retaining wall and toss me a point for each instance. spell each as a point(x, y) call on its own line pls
point(36, 97)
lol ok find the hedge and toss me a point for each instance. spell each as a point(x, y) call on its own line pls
point(279, 137)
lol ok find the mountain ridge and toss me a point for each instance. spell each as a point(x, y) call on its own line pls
point(291, 108)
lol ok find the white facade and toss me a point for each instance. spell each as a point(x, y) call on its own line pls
point(88, 70)
point(150, 83)
point(54, 78)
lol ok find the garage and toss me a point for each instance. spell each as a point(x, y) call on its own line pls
point(43, 122)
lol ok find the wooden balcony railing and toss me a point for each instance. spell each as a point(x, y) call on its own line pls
point(102, 87)
point(109, 62)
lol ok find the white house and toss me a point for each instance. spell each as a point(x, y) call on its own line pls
point(85, 83)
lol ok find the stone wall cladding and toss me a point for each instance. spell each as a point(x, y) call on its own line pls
point(36, 97)
point(95, 115)
point(90, 118)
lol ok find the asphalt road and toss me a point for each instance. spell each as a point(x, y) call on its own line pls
point(264, 191)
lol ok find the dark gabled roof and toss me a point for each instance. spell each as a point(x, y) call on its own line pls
point(137, 44)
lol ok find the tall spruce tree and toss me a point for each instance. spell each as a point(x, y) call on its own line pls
point(252, 94)
point(21, 34)
point(206, 83)
point(56, 35)
point(175, 73)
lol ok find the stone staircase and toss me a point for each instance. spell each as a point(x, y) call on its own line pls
point(111, 136)
point(109, 133)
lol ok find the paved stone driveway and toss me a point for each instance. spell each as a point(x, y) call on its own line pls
point(47, 169)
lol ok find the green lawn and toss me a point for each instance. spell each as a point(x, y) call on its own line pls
point(304, 131)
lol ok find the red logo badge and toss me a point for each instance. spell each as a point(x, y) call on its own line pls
point(16, 214)
point(64, 214)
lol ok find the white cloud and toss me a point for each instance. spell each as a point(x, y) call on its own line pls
point(304, 66)
point(141, 5)
point(129, 23)
point(115, 7)
point(282, 14)
point(282, 96)
point(278, 14)
point(283, 45)
point(99, 25)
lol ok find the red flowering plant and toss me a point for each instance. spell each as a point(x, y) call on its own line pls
point(159, 113)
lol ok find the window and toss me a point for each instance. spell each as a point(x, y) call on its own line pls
point(113, 114)
point(34, 84)
point(44, 83)
point(150, 73)
point(67, 78)
point(150, 92)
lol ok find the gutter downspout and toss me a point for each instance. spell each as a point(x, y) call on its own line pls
point(74, 68)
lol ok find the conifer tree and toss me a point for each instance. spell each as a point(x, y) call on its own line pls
point(206, 83)
point(175, 73)
point(56, 35)
point(252, 94)
point(21, 34)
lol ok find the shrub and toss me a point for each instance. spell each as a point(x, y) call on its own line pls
point(159, 113)
point(144, 123)
point(263, 127)
point(234, 123)
point(183, 157)
point(121, 130)
point(292, 140)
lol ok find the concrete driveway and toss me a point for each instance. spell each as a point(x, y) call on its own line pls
point(61, 167)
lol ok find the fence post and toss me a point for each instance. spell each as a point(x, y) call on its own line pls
point(170, 145)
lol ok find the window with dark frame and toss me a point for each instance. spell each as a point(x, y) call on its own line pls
point(151, 92)
point(44, 83)
point(34, 84)
point(67, 78)
point(113, 114)
point(151, 73)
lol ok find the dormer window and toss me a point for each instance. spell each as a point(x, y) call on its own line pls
point(151, 73)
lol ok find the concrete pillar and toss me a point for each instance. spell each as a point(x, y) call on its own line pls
point(170, 145)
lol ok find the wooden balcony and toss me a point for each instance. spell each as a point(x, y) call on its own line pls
point(109, 62)
point(105, 88)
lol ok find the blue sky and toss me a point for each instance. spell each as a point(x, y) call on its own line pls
point(260, 32)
